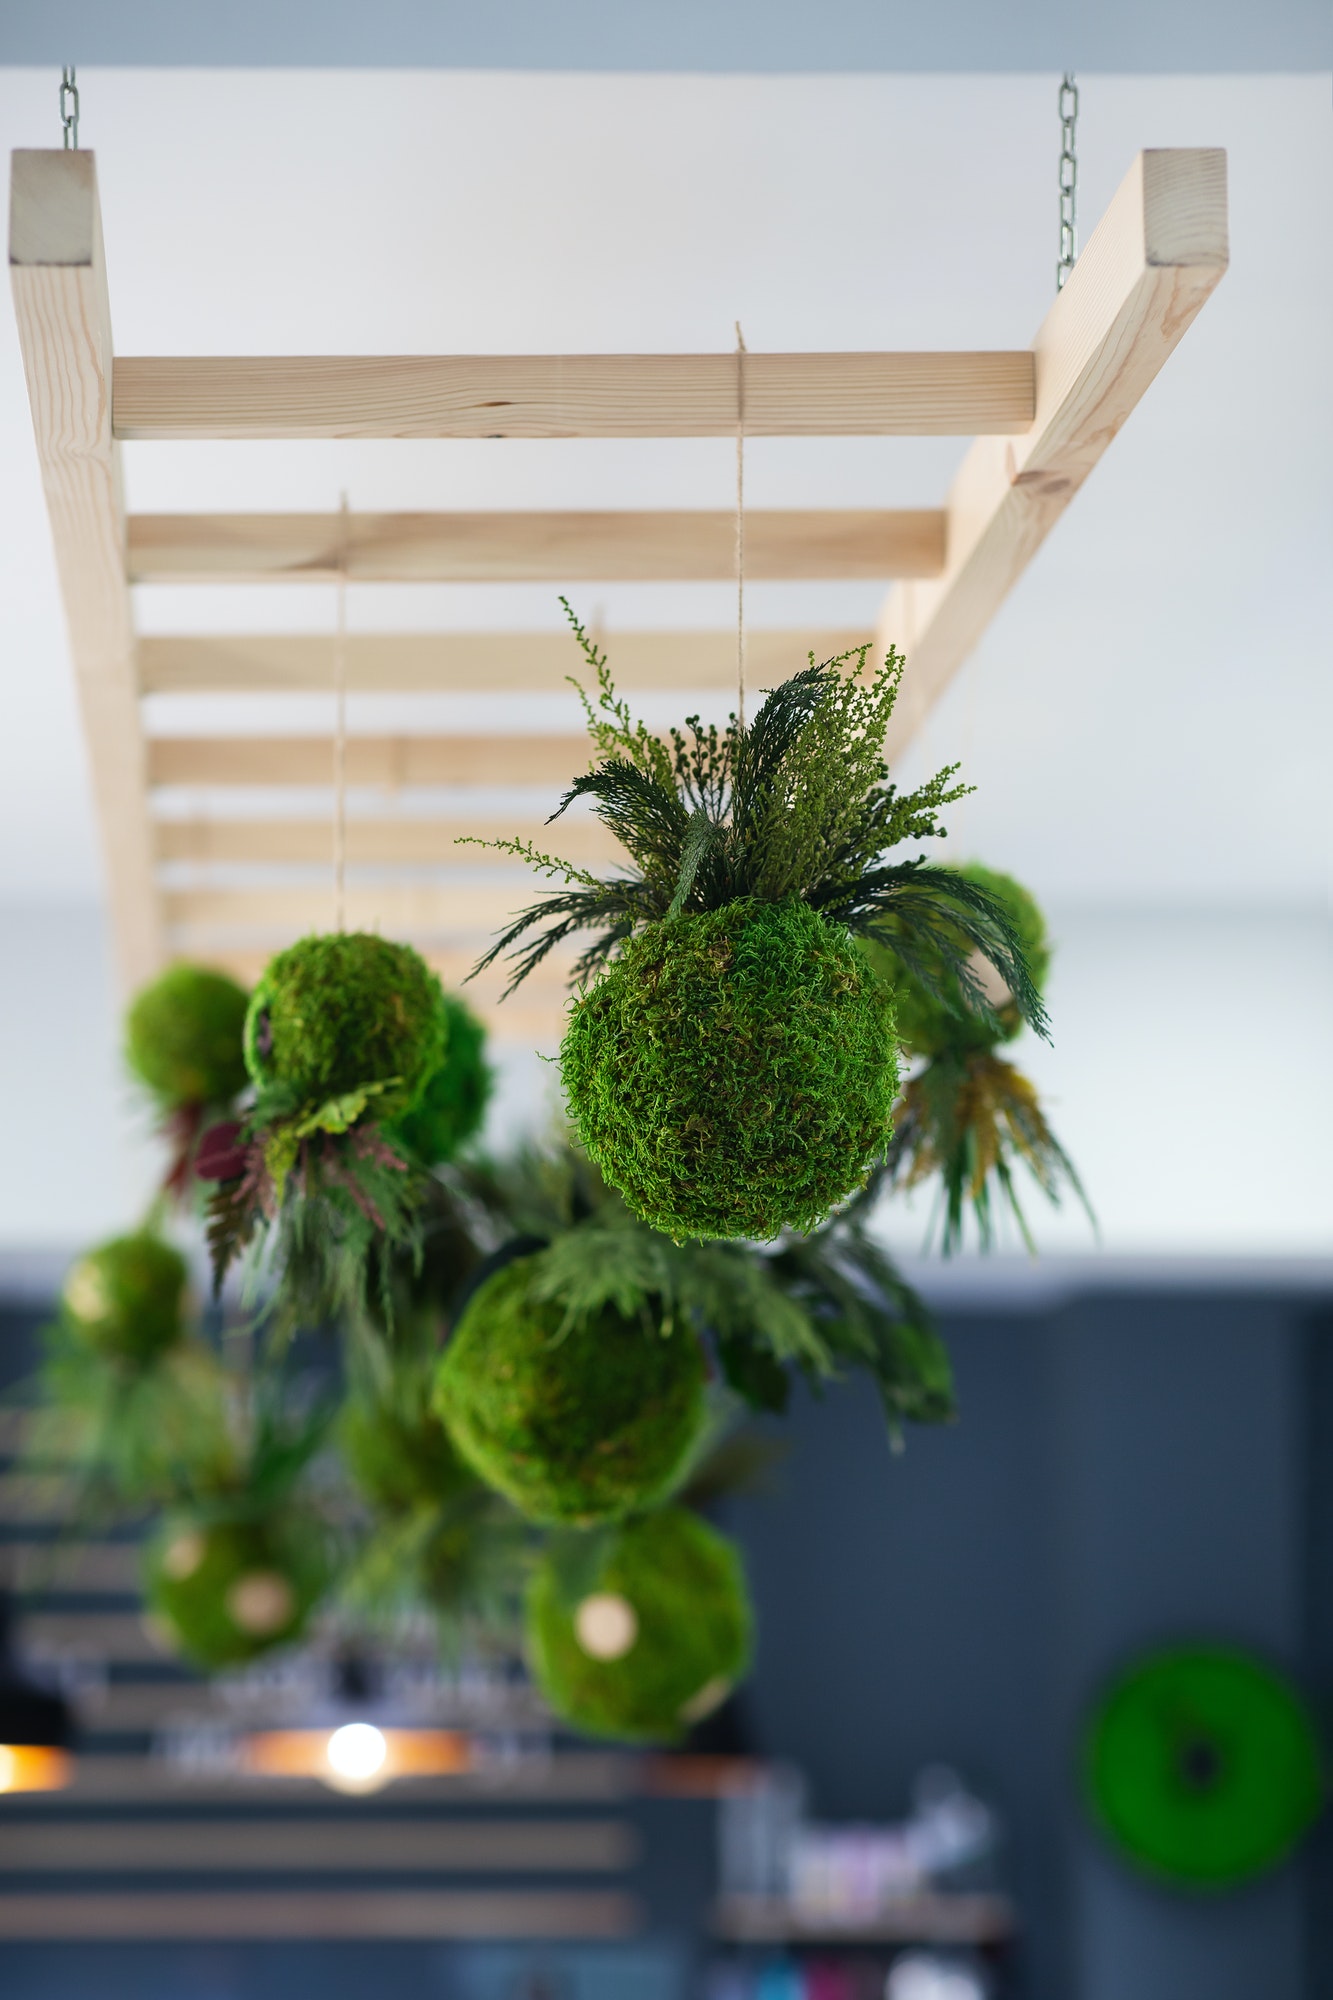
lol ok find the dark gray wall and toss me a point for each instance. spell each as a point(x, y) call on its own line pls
point(1195, 36)
point(1128, 1470)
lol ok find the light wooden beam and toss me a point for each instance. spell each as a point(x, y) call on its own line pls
point(319, 1913)
point(474, 662)
point(64, 322)
point(1147, 270)
point(387, 761)
point(572, 395)
point(385, 843)
point(640, 546)
point(544, 989)
point(410, 910)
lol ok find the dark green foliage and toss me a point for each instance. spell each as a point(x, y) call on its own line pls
point(797, 806)
point(571, 1419)
point(399, 1454)
point(933, 1021)
point(130, 1438)
point(184, 1038)
point(126, 1299)
point(346, 1014)
point(453, 1104)
point(228, 1590)
point(685, 1588)
point(733, 1072)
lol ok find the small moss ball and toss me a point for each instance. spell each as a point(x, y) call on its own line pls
point(655, 1643)
point(184, 1037)
point(127, 1297)
point(227, 1591)
point(733, 1073)
point(930, 1026)
point(332, 1013)
point(453, 1104)
point(400, 1460)
point(585, 1424)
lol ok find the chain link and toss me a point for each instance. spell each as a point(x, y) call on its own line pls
point(1068, 102)
point(69, 108)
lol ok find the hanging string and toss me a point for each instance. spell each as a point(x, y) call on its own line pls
point(340, 724)
point(740, 525)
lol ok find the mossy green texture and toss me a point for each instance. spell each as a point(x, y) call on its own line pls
point(126, 1298)
point(572, 1424)
point(184, 1037)
point(398, 1460)
point(227, 1591)
point(334, 1013)
point(453, 1103)
point(734, 1072)
point(929, 1024)
point(685, 1586)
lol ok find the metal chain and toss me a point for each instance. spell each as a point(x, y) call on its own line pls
point(69, 108)
point(1068, 181)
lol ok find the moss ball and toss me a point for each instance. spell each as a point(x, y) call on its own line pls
point(582, 1425)
point(453, 1104)
point(655, 1642)
point(227, 1591)
point(127, 1297)
point(400, 1460)
point(733, 1073)
point(929, 1026)
point(332, 1013)
point(184, 1037)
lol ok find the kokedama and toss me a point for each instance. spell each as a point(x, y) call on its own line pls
point(967, 1115)
point(126, 1299)
point(639, 1633)
point(183, 1038)
point(229, 1590)
point(573, 1417)
point(733, 1069)
point(453, 1103)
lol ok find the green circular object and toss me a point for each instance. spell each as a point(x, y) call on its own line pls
point(399, 1459)
point(453, 1103)
point(1202, 1765)
point(930, 1025)
point(669, 1603)
point(334, 1013)
point(126, 1298)
point(572, 1424)
point(184, 1037)
point(733, 1072)
point(227, 1591)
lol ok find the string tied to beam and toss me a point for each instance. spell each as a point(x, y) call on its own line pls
point(1068, 106)
point(740, 525)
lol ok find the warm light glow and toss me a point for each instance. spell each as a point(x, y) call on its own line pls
point(606, 1625)
point(33, 1767)
point(357, 1754)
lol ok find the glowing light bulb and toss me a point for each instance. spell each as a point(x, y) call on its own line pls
point(356, 1754)
point(8, 1768)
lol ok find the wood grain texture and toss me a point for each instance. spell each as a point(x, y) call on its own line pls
point(64, 323)
point(389, 762)
point(474, 662)
point(381, 1846)
point(572, 395)
point(401, 842)
point(643, 546)
point(320, 1913)
point(410, 910)
point(1148, 268)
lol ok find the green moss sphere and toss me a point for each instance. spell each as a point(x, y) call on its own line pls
point(655, 1643)
point(126, 1299)
point(733, 1073)
point(333, 1013)
point(184, 1037)
point(400, 1461)
point(224, 1592)
point(453, 1104)
point(580, 1425)
point(929, 1026)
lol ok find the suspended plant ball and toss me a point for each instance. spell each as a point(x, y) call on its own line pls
point(184, 1038)
point(228, 1590)
point(342, 1035)
point(126, 1299)
point(642, 1633)
point(968, 1117)
point(452, 1105)
point(573, 1418)
point(733, 1071)
point(400, 1459)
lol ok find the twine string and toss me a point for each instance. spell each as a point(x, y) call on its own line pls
point(740, 525)
point(340, 724)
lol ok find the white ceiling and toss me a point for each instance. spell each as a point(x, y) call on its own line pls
point(1148, 718)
